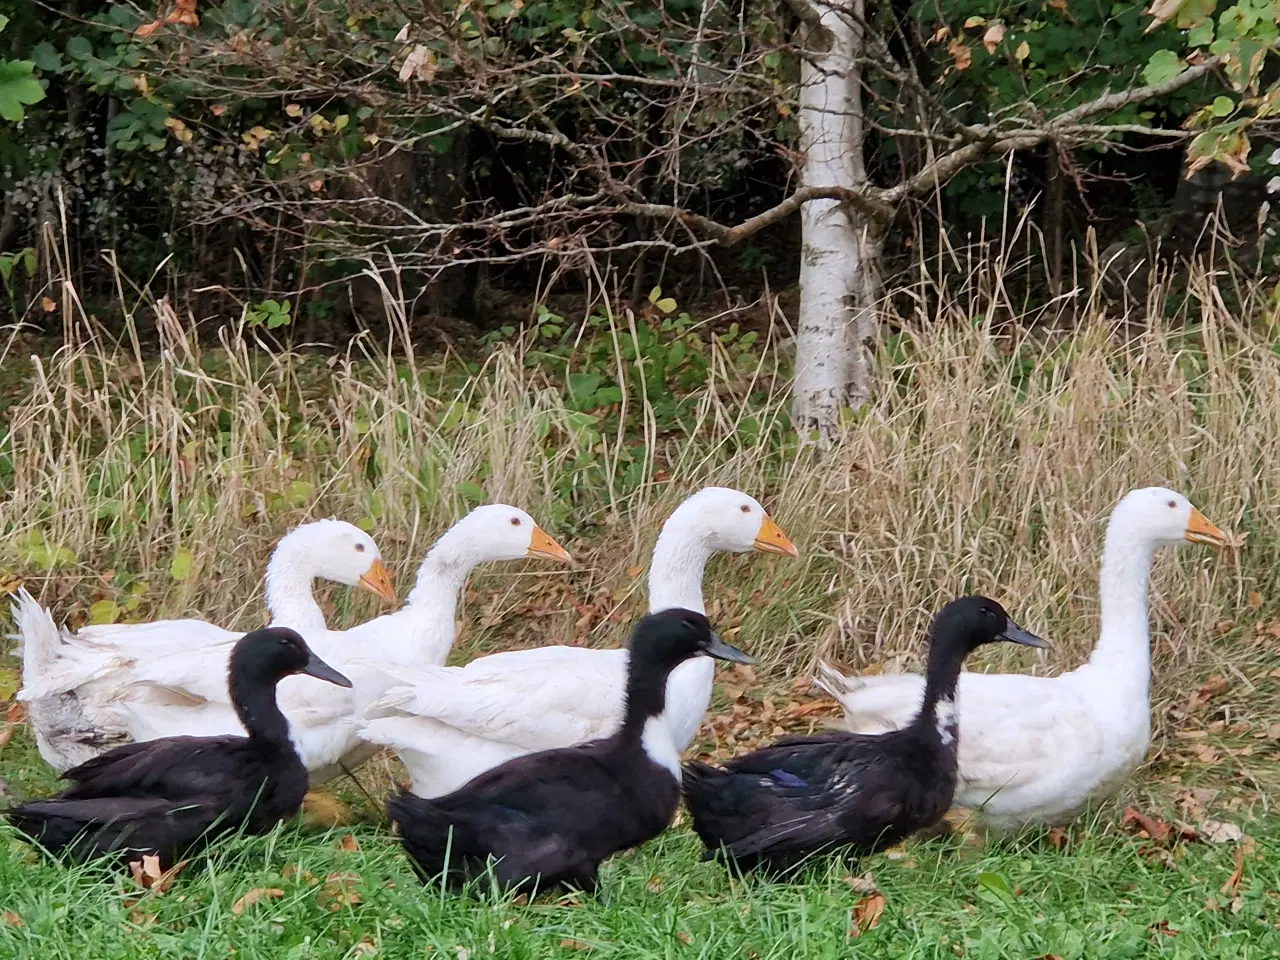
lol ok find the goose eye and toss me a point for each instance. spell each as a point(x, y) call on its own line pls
point(1173, 504)
point(359, 548)
point(745, 508)
point(515, 521)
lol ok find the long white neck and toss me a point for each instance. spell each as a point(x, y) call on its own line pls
point(675, 575)
point(1124, 642)
point(675, 580)
point(290, 600)
point(432, 604)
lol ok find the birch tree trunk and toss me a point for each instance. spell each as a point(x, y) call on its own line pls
point(839, 279)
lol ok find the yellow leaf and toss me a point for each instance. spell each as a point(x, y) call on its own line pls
point(104, 611)
point(253, 896)
point(666, 304)
point(293, 110)
point(655, 294)
point(180, 568)
point(975, 22)
point(1023, 51)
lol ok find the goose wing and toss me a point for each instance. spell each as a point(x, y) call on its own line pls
point(535, 699)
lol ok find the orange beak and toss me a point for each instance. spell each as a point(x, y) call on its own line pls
point(771, 539)
point(546, 548)
point(377, 579)
point(1200, 530)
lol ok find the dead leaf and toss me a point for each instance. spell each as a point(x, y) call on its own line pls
point(1162, 11)
point(962, 55)
point(365, 948)
point(1149, 828)
point(1232, 887)
point(993, 37)
point(685, 937)
point(1255, 599)
point(1215, 685)
point(1217, 831)
point(11, 919)
point(218, 109)
point(349, 843)
point(253, 896)
point(48, 305)
point(654, 885)
point(865, 884)
point(569, 943)
point(148, 875)
point(866, 914)
point(1058, 838)
point(1205, 753)
point(184, 14)
point(1163, 927)
point(340, 890)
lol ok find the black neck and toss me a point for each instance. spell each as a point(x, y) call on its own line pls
point(254, 699)
point(646, 695)
point(942, 673)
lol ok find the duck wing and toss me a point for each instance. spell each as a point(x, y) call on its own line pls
point(89, 828)
point(174, 769)
point(803, 794)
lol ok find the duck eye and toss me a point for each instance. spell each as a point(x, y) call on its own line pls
point(515, 521)
point(745, 508)
point(359, 548)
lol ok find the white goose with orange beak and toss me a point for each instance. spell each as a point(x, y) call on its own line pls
point(71, 681)
point(449, 724)
point(1040, 749)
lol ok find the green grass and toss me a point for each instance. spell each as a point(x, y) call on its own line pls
point(1106, 894)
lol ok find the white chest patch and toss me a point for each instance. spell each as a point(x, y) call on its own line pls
point(660, 746)
point(947, 714)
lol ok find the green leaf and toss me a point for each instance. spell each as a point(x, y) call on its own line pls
point(1163, 66)
point(471, 491)
point(655, 294)
point(996, 884)
point(666, 304)
point(4, 21)
point(10, 682)
point(104, 611)
point(300, 492)
point(367, 524)
point(18, 88)
point(79, 48)
point(1201, 35)
point(180, 568)
point(1222, 106)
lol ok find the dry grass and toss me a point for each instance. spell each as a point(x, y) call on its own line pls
point(988, 463)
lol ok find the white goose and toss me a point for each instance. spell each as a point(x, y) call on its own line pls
point(71, 681)
point(1038, 749)
point(421, 632)
point(449, 724)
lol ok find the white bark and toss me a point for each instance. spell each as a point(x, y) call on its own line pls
point(838, 270)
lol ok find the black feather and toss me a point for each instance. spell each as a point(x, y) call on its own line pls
point(164, 797)
point(805, 796)
point(549, 819)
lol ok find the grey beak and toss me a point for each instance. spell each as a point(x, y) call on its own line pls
point(1016, 634)
point(715, 647)
point(322, 671)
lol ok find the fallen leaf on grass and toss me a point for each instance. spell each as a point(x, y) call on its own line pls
point(654, 885)
point(1050, 956)
point(685, 937)
point(866, 914)
point(1058, 838)
point(1216, 831)
point(11, 919)
point(863, 884)
point(1163, 927)
point(148, 875)
point(254, 895)
point(349, 843)
point(1232, 887)
point(1215, 685)
point(569, 943)
point(339, 891)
